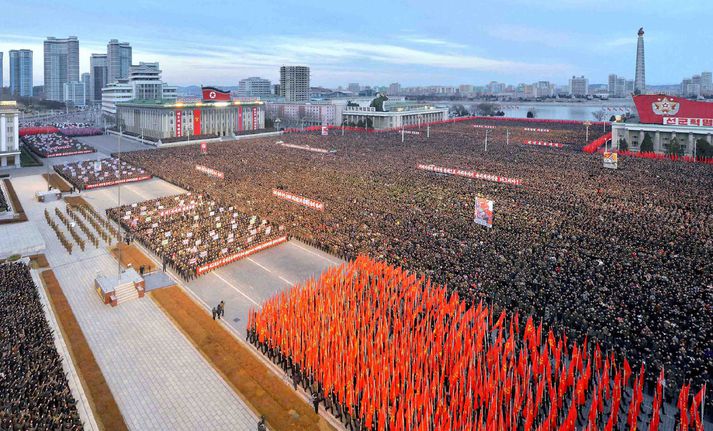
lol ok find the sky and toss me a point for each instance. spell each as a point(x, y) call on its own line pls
point(417, 42)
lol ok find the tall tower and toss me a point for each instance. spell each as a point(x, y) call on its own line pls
point(640, 76)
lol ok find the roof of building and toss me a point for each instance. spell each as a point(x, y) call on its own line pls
point(177, 104)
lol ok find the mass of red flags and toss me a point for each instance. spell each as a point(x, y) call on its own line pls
point(401, 353)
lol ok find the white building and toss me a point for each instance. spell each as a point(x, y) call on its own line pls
point(9, 134)
point(294, 83)
point(144, 83)
point(395, 118)
point(578, 86)
point(255, 87)
point(74, 93)
point(160, 120)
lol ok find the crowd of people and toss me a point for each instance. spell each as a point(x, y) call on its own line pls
point(385, 349)
point(622, 257)
point(55, 145)
point(90, 174)
point(4, 206)
point(34, 393)
point(190, 231)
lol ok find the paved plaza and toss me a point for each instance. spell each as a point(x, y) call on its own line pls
point(159, 380)
point(242, 285)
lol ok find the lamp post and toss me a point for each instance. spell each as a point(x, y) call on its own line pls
point(587, 124)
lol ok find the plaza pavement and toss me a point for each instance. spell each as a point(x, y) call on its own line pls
point(244, 284)
point(159, 380)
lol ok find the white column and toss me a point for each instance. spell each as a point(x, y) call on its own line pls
point(657, 143)
point(689, 147)
point(16, 132)
point(3, 134)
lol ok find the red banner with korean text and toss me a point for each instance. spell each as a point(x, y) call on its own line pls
point(197, 121)
point(179, 123)
point(656, 108)
point(210, 172)
point(470, 174)
point(240, 118)
point(239, 255)
point(301, 200)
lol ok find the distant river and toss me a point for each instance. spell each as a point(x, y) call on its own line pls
point(557, 110)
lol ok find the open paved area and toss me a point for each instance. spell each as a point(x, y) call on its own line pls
point(244, 284)
point(158, 378)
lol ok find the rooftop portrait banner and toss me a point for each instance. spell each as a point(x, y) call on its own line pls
point(655, 108)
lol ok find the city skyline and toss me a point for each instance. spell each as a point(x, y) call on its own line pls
point(543, 42)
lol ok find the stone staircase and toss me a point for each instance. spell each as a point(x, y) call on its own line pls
point(125, 292)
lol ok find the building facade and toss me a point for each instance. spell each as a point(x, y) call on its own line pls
point(144, 83)
point(21, 73)
point(1, 75)
point(666, 119)
point(294, 115)
point(99, 72)
point(74, 93)
point(255, 87)
point(401, 117)
point(61, 65)
point(118, 57)
point(294, 83)
point(162, 120)
point(9, 134)
point(86, 80)
point(640, 75)
point(578, 86)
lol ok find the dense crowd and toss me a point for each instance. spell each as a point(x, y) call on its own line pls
point(623, 257)
point(4, 206)
point(55, 145)
point(190, 231)
point(34, 394)
point(98, 173)
point(385, 349)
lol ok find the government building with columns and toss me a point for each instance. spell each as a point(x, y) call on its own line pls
point(663, 118)
point(394, 116)
point(9, 135)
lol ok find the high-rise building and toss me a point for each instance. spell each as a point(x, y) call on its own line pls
point(294, 83)
point(354, 87)
point(707, 83)
point(144, 83)
point(61, 65)
point(578, 86)
point(394, 89)
point(21, 73)
point(255, 87)
point(618, 86)
point(74, 93)
point(684, 87)
point(99, 72)
point(118, 56)
point(640, 76)
point(86, 80)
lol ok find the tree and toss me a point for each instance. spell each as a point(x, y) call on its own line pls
point(703, 148)
point(674, 148)
point(647, 145)
point(459, 110)
point(351, 104)
point(599, 115)
point(623, 145)
point(378, 102)
point(486, 109)
point(531, 113)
